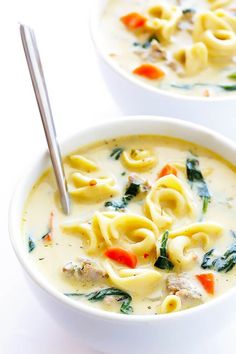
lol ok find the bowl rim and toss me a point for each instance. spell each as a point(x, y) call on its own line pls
point(16, 233)
point(93, 19)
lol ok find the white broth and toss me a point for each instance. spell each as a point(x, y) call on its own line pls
point(183, 46)
point(151, 220)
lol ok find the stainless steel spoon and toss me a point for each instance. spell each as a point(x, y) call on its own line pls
point(41, 94)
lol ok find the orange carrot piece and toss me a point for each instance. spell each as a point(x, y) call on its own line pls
point(122, 256)
point(208, 282)
point(149, 71)
point(133, 20)
point(47, 238)
point(168, 170)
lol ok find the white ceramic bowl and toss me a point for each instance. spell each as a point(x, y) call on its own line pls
point(136, 97)
point(116, 333)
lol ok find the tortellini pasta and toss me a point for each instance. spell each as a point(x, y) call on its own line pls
point(82, 163)
point(216, 4)
point(182, 240)
point(216, 33)
point(132, 231)
point(179, 253)
point(194, 58)
point(139, 159)
point(225, 16)
point(220, 43)
point(172, 303)
point(141, 281)
point(92, 189)
point(168, 200)
point(164, 20)
point(200, 232)
point(97, 231)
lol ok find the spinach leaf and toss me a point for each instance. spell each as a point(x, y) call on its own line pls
point(188, 11)
point(205, 204)
point(220, 264)
point(117, 205)
point(233, 233)
point(225, 264)
point(189, 86)
point(228, 87)
point(195, 176)
point(232, 75)
point(162, 261)
point(99, 295)
point(31, 244)
point(182, 86)
point(147, 43)
point(200, 84)
point(131, 192)
point(116, 153)
point(207, 261)
point(45, 235)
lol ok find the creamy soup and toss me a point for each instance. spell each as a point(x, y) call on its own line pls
point(185, 46)
point(152, 227)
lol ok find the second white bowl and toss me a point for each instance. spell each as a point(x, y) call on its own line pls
point(137, 97)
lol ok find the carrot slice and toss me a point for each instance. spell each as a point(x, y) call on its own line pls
point(149, 71)
point(47, 237)
point(208, 282)
point(168, 170)
point(122, 256)
point(133, 20)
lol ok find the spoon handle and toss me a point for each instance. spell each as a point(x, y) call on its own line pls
point(41, 94)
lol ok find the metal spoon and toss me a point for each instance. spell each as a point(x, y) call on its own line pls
point(41, 94)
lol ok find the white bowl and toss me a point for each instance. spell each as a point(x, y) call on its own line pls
point(136, 97)
point(111, 332)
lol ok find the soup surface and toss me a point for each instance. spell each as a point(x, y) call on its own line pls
point(151, 229)
point(185, 46)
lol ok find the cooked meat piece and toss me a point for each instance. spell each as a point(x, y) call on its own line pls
point(175, 66)
point(185, 26)
point(85, 270)
point(182, 286)
point(153, 53)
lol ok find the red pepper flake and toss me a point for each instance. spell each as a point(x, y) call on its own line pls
point(93, 182)
point(146, 255)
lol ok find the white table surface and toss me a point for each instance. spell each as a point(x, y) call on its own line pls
point(79, 98)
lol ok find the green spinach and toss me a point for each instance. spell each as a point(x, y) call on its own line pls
point(99, 295)
point(31, 244)
point(147, 43)
point(131, 192)
point(195, 177)
point(162, 261)
point(232, 75)
point(228, 87)
point(233, 233)
point(220, 264)
point(116, 153)
point(188, 11)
